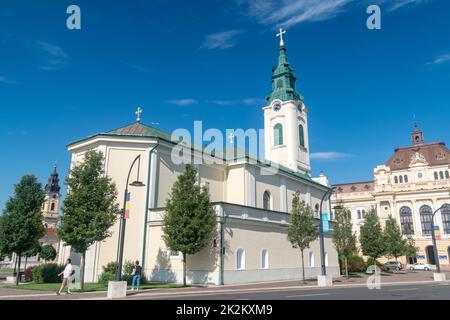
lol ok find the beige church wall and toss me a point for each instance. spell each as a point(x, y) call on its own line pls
point(167, 173)
point(269, 183)
point(235, 176)
point(284, 262)
point(202, 267)
point(215, 177)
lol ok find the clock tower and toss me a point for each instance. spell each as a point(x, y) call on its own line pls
point(286, 138)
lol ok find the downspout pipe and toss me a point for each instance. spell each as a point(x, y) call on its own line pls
point(147, 202)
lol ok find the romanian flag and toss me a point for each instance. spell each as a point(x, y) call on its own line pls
point(127, 206)
point(437, 233)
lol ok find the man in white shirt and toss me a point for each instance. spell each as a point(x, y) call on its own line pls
point(67, 274)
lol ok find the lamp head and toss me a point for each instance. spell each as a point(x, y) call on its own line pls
point(137, 184)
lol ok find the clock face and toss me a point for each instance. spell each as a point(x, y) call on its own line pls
point(277, 107)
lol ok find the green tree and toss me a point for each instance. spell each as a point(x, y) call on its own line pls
point(48, 252)
point(21, 224)
point(32, 252)
point(344, 237)
point(371, 236)
point(90, 207)
point(393, 239)
point(302, 230)
point(410, 247)
point(190, 220)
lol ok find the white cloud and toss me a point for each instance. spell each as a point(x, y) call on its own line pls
point(221, 40)
point(246, 101)
point(330, 155)
point(441, 59)
point(288, 13)
point(402, 3)
point(183, 102)
point(56, 57)
point(6, 80)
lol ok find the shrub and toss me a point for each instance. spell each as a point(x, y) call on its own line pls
point(109, 273)
point(28, 274)
point(48, 253)
point(105, 277)
point(47, 273)
point(110, 267)
point(128, 267)
point(356, 264)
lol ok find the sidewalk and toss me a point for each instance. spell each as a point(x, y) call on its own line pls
point(354, 281)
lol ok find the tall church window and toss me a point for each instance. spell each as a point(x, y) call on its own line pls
point(441, 175)
point(301, 133)
point(240, 259)
point(311, 259)
point(445, 213)
point(436, 176)
point(406, 220)
point(406, 178)
point(447, 175)
point(267, 201)
point(401, 179)
point(395, 179)
point(359, 214)
point(426, 218)
point(264, 259)
point(52, 207)
point(278, 134)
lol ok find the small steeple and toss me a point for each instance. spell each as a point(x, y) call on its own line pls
point(283, 77)
point(417, 136)
point(53, 182)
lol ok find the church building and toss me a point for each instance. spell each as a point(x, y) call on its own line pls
point(252, 206)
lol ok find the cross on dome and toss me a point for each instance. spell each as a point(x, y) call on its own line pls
point(281, 36)
point(138, 114)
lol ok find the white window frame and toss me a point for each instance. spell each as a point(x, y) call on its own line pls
point(242, 262)
point(264, 259)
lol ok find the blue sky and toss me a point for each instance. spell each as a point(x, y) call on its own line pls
point(211, 60)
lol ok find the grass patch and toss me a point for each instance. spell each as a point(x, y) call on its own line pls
point(88, 287)
point(8, 270)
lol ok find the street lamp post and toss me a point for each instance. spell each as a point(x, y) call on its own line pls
point(433, 236)
point(135, 183)
point(322, 241)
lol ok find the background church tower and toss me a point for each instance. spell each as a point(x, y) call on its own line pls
point(50, 208)
point(286, 138)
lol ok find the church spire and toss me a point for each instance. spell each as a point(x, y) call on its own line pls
point(283, 77)
point(417, 136)
point(53, 182)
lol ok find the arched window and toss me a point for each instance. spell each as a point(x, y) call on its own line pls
point(240, 259)
point(364, 213)
point(406, 220)
point(441, 175)
point(406, 178)
point(264, 259)
point(279, 83)
point(267, 201)
point(311, 259)
point(359, 214)
point(301, 134)
point(278, 134)
point(445, 213)
point(401, 179)
point(52, 206)
point(436, 176)
point(447, 175)
point(426, 217)
point(395, 179)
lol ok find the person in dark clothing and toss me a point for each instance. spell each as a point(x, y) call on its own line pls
point(137, 271)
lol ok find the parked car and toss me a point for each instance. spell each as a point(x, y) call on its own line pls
point(394, 265)
point(419, 266)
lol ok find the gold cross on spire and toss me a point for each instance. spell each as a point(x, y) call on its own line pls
point(281, 36)
point(138, 114)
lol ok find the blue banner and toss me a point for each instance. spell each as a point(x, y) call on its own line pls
point(325, 222)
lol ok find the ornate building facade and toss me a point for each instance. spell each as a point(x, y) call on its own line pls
point(411, 186)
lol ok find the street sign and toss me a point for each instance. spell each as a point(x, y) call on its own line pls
point(325, 222)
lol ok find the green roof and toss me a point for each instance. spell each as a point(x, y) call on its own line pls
point(138, 129)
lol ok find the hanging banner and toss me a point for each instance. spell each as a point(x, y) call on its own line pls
point(325, 223)
point(437, 233)
point(127, 206)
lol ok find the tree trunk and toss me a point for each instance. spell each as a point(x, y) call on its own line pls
point(303, 268)
point(346, 267)
point(25, 267)
point(18, 271)
point(184, 269)
point(82, 262)
point(15, 266)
